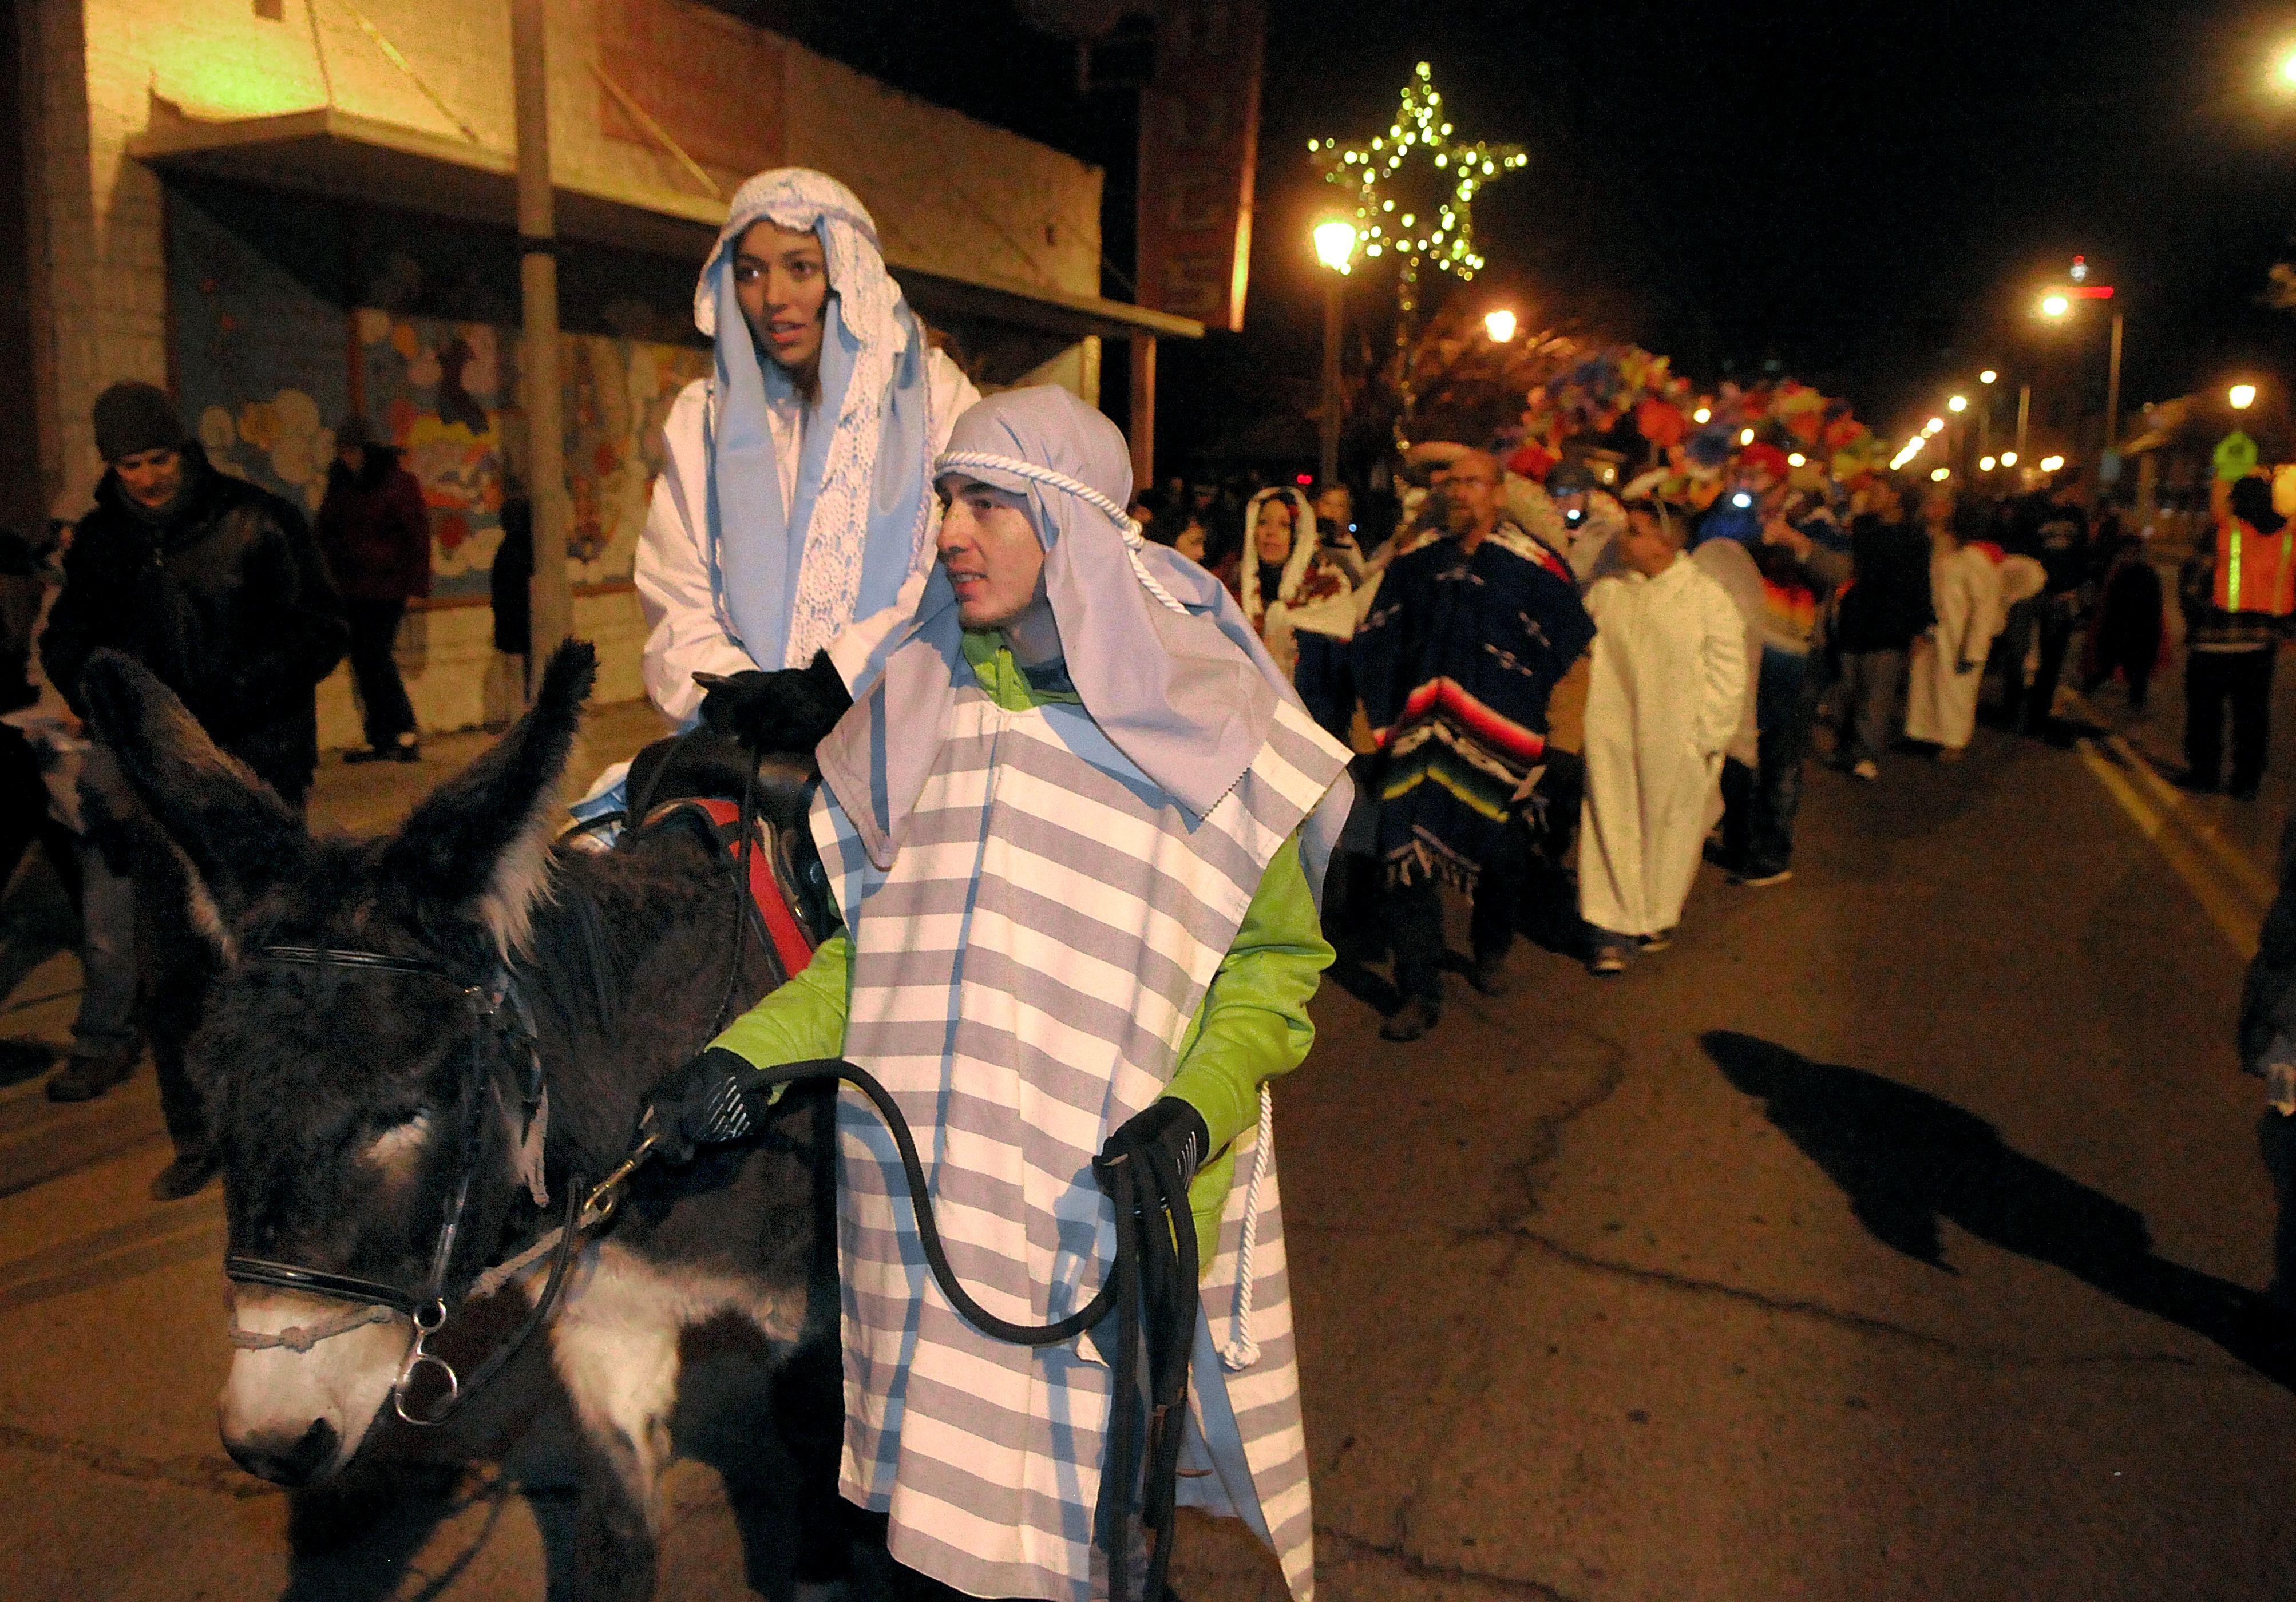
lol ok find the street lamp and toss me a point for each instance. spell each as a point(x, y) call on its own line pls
point(1987, 376)
point(2242, 396)
point(1745, 436)
point(1703, 414)
point(1500, 323)
point(1985, 464)
point(2050, 464)
point(1795, 459)
point(1959, 403)
point(1939, 475)
point(2055, 306)
point(1936, 425)
point(2288, 71)
point(2008, 458)
point(1335, 247)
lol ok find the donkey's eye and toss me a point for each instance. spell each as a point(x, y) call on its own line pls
point(394, 1147)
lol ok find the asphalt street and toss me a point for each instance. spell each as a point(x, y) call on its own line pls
point(1901, 1232)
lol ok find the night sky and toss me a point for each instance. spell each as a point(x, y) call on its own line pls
point(1868, 195)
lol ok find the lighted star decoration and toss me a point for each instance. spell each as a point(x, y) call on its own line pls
point(1416, 187)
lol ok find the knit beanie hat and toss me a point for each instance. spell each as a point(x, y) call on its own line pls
point(131, 417)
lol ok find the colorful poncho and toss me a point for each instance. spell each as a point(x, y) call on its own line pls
point(1455, 663)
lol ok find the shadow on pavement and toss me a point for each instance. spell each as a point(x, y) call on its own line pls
point(1906, 1160)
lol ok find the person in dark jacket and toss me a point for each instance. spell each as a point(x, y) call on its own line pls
point(2053, 528)
point(377, 539)
point(1887, 605)
point(208, 581)
point(217, 588)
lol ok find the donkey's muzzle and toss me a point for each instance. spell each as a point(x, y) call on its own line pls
point(287, 1461)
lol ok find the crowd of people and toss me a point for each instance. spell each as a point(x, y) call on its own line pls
point(1563, 691)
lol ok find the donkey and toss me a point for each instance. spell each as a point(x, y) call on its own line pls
point(341, 1103)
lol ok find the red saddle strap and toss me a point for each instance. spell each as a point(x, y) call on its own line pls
point(790, 943)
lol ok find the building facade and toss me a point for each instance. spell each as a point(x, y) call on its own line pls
point(291, 211)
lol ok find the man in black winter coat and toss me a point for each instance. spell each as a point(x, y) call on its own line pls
point(214, 585)
point(217, 587)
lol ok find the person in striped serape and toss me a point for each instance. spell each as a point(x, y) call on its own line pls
point(1072, 825)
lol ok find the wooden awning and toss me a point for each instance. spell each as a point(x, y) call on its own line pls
point(327, 152)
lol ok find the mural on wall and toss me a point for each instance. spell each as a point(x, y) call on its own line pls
point(446, 393)
point(265, 365)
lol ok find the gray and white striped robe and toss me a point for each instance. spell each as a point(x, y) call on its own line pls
point(1023, 974)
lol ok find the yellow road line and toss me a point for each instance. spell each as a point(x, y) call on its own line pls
point(2237, 918)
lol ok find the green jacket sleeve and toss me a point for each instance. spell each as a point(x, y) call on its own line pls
point(1253, 1024)
point(805, 1018)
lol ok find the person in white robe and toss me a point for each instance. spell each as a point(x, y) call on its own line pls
point(1947, 668)
point(1667, 695)
point(796, 494)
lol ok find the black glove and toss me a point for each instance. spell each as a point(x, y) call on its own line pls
point(1169, 1123)
point(703, 1102)
point(793, 709)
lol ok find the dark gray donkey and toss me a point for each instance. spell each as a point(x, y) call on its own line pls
point(348, 1100)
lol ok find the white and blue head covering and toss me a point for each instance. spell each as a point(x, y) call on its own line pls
point(790, 580)
point(1157, 649)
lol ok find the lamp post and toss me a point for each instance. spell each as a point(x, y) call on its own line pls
point(1335, 247)
point(2057, 304)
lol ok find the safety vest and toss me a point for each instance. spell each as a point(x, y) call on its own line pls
point(2255, 572)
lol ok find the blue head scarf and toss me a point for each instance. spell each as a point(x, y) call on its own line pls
point(790, 579)
point(1161, 654)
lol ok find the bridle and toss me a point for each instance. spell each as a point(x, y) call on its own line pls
point(498, 1013)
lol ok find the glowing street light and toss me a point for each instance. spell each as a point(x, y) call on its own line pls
point(1703, 414)
point(1336, 239)
point(2288, 71)
point(1500, 323)
point(1987, 376)
point(2055, 306)
point(1939, 475)
point(1795, 459)
point(1985, 464)
point(1335, 244)
point(1936, 425)
point(2050, 464)
point(1959, 403)
point(2008, 458)
point(1745, 436)
point(2242, 396)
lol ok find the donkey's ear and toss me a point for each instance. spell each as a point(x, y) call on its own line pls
point(480, 843)
point(233, 829)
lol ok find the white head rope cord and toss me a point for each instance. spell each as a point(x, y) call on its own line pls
point(1240, 1350)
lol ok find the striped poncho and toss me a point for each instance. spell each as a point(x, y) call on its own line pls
point(1455, 663)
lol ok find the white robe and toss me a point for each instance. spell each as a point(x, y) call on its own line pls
point(687, 630)
point(1940, 699)
point(1667, 693)
point(1730, 565)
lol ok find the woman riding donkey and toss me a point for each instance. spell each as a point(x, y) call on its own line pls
point(1072, 827)
point(796, 498)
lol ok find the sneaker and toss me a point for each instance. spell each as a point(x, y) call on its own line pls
point(187, 1175)
point(408, 749)
point(368, 754)
point(1866, 768)
point(1411, 1021)
point(1655, 943)
point(85, 1077)
point(1761, 882)
point(1608, 958)
point(1489, 976)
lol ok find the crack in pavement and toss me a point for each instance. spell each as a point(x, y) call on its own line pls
point(1533, 1174)
point(190, 1471)
point(1353, 1547)
point(2006, 1357)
